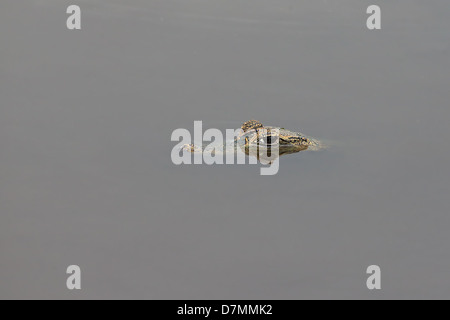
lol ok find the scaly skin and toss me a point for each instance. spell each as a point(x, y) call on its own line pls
point(255, 135)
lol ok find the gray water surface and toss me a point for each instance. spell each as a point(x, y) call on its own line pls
point(86, 176)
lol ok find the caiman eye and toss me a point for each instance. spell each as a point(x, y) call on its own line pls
point(268, 140)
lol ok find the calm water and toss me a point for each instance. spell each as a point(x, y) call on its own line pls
point(86, 176)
